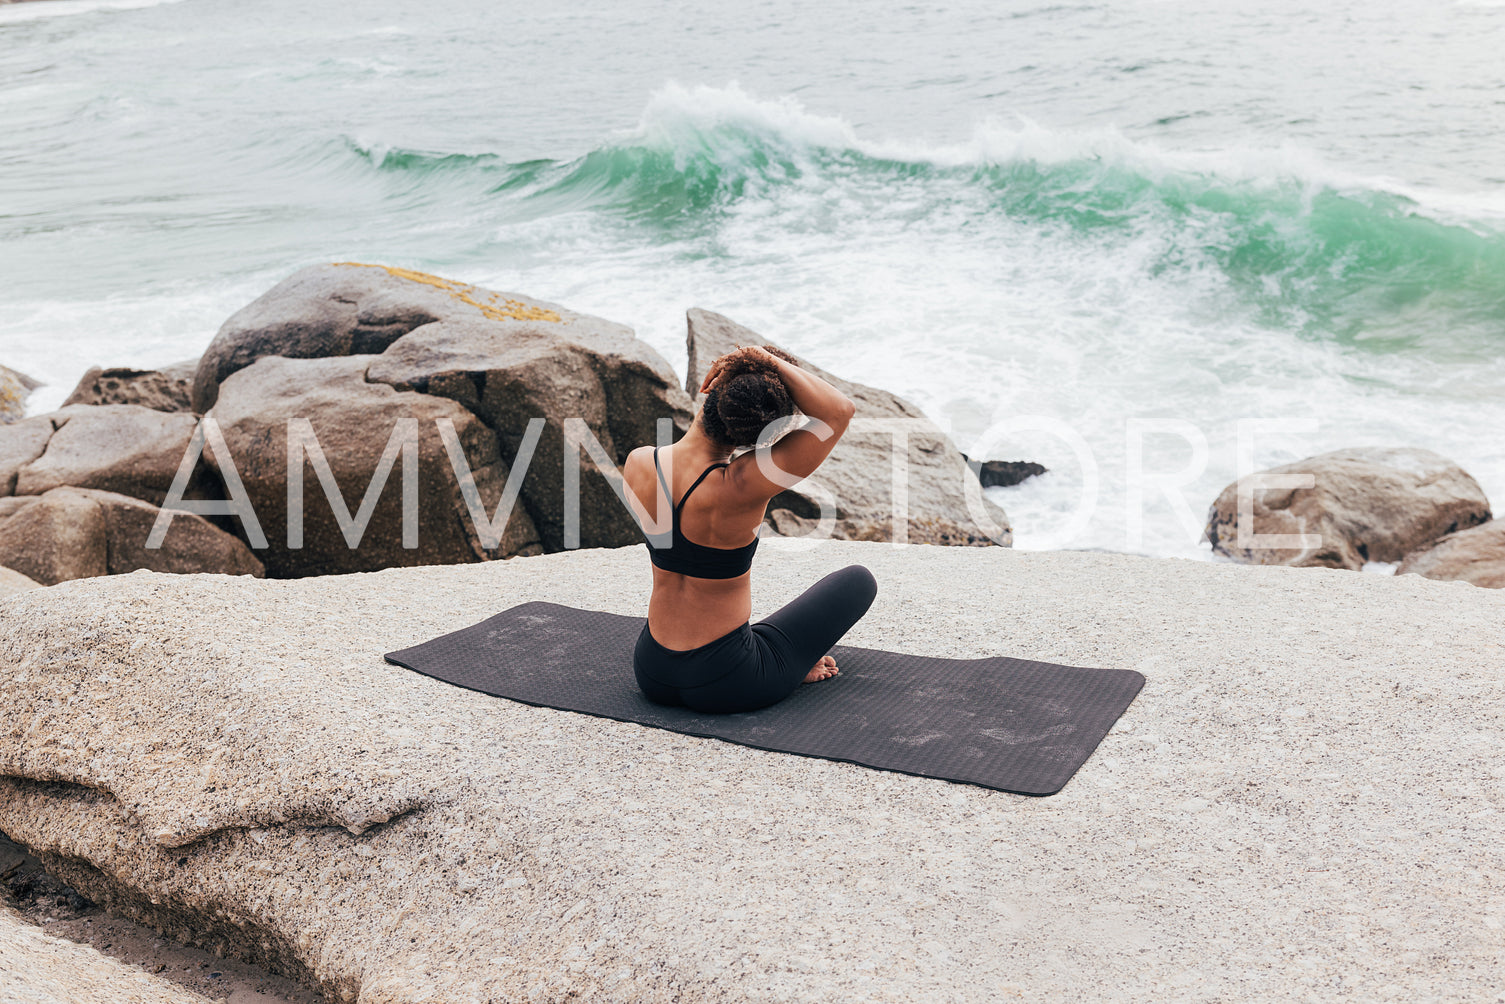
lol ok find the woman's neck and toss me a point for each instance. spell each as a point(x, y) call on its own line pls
point(701, 447)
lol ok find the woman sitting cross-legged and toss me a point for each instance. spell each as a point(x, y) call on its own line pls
point(699, 647)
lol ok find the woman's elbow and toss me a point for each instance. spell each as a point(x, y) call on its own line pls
point(835, 415)
point(845, 412)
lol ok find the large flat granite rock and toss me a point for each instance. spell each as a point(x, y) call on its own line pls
point(1304, 803)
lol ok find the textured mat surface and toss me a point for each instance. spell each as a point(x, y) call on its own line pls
point(1002, 723)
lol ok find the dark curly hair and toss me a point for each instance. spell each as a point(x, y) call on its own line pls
point(748, 396)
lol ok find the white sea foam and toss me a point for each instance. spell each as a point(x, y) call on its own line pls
point(16, 13)
point(56, 341)
point(980, 319)
point(679, 118)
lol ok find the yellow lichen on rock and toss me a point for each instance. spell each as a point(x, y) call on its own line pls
point(491, 307)
point(12, 398)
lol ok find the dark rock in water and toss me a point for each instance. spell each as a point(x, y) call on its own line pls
point(1474, 555)
point(1365, 504)
point(122, 448)
point(77, 533)
point(1003, 473)
point(858, 473)
point(15, 388)
point(354, 419)
point(166, 389)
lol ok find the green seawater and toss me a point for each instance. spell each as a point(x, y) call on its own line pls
point(1015, 215)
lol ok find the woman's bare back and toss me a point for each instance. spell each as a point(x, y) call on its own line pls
point(686, 612)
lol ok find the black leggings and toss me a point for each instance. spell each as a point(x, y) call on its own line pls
point(759, 664)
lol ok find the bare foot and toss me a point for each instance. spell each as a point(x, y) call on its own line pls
point(824, 670)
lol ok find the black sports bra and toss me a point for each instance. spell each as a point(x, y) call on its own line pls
point(689, 558)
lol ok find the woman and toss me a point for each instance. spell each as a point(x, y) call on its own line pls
point(698, 647)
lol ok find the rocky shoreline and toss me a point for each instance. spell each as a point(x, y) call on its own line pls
point(356, 369)
point(343, 374)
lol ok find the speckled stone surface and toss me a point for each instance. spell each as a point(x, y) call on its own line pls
point(1304, 803)
point(12, 581)
point(36, 968)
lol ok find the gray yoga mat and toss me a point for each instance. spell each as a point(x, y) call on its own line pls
point(1010, 724)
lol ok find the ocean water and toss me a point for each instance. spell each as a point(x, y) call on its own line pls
point(1110, 237)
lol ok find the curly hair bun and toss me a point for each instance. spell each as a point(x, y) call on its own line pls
point(748, 396)
point(775, 350)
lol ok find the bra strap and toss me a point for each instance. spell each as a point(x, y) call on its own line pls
point(668, 495)
point(697, 485)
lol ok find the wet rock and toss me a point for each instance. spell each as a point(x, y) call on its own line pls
point(165, 389)
point(1474, 555)
point(858, 473)
point(354, 420)
point(1365, 504)
point(1003, 473)
point(77, 533)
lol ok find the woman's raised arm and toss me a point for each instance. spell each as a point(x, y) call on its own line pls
point(796, 455)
